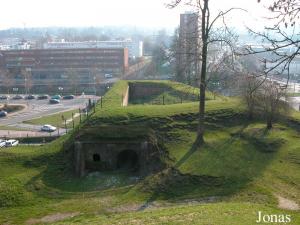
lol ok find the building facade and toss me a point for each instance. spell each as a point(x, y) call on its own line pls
point(187, 56)
point(40, 68)
point(135, 48)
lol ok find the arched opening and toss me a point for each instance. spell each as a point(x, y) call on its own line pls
point(96, 158)
point(128, 160)
point(94, 163)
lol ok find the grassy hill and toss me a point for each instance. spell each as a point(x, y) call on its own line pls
point(242, 169)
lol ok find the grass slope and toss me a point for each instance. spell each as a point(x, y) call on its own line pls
point(242, 167)
point(56, 119)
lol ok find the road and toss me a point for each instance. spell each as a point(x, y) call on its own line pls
point(36, 109)
point(293, 87)
point(41, 108)
point(6, 134)
point(294, 102)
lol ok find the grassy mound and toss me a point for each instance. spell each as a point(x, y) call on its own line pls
point(239, 171)
point(163, 92)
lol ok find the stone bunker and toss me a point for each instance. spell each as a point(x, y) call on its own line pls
point(138, 153)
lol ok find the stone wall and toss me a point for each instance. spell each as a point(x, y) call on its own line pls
point(126, 97)
point(104, 156)
point(140, 90)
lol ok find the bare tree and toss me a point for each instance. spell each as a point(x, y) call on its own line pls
point(7, 80)
point(282, 39)
point(271, 100)
point(208, 36)
point(28, 83)
point(249, 87)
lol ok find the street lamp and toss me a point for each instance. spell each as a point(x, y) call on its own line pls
point(95, 89)
point(60, 89)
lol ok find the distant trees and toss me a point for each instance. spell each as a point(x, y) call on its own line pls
point(159, 56)
point(271, 100)
point(7, 80)
point(263, 99)
point(249, 93)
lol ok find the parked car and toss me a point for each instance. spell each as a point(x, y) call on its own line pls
point(30, 97)
point(11, 143)
point(4, 97)
point(41, 97)
point(3, 113)
point(54, 101)
point(2, 143)
point(69, 97)
point(48, 128)
point(56, 97)
point(17, 97)
point(107, 76)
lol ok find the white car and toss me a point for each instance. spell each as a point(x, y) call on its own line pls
point(2, 143)
point(11, 143)
point(107, 76)
point(48, 128)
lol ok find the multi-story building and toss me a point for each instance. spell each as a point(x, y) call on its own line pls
point(14, 44)
point(62, 67)
point(135, 48)
point(187, 55)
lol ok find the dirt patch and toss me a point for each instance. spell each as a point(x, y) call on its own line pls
point(159, 204)
point(52, 218)
point(287, 204)
point(12, 108)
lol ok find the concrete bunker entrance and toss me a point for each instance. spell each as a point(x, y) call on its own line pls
point(128, 160)
point(96, 158)
point(132, 156)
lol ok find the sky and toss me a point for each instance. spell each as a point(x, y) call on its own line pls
point(139, 13)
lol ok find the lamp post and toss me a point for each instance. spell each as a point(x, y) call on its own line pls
point(27, 76)
point(95, 89)
point(61, 90)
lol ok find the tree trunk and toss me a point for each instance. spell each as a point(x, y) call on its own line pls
point(269, 123)
point(204, 37)
point(201, 129)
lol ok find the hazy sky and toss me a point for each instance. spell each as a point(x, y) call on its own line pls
point(149, 13)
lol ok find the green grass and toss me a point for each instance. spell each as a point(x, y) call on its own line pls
point(218, 213)
point(56, 119)
point(242, 165)
point(294, 94)
point(170, 93)
point(12, 128)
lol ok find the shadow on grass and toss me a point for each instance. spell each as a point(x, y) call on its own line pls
point(234, 170)
point(58, 179)
point(223, 169)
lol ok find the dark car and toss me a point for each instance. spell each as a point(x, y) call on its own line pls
point(3, 97)
point(17, 97)
point(3, 113)
point(54, 101)
point(41, 97)
point(69, 97)
point(30, 97)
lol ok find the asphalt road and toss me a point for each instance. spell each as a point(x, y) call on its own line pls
point(36, 109)
point(7, 134)
point(294, 102)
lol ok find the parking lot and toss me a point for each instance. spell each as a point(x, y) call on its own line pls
point(39, 108)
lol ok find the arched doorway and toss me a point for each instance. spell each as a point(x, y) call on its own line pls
point(96, 158)
point(128, 160)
